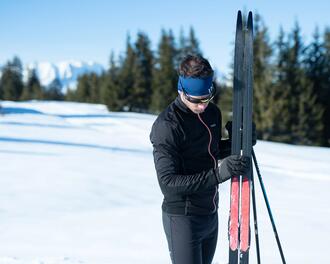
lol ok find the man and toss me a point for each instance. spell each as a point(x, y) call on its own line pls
point(191, 160)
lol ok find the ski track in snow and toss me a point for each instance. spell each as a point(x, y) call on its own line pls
point(78, 185)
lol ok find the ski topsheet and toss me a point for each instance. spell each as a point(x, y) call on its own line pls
point(236, 143)
point(247, 142)
point(239, 219)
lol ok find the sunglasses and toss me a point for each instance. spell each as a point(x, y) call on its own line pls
point(199, 100)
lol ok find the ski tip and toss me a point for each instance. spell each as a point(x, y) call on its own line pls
point(239, 19)
point(250, 20)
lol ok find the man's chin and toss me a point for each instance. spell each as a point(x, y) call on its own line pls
point(198, 111)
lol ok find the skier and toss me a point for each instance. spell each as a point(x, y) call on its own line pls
point(191, 161)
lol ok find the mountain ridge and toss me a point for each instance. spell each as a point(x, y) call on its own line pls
point(66, 72)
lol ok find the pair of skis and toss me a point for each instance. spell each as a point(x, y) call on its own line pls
point(239, 219)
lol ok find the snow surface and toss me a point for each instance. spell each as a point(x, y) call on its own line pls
point(78, 185)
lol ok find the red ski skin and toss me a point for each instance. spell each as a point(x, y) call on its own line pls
point(245, 211)
point(234, 212)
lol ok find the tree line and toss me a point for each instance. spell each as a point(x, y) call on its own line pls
point(141, 80)
point(291, 82)
point(291, 86)
point(12, 86)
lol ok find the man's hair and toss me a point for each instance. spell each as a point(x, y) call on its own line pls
point(195, 66)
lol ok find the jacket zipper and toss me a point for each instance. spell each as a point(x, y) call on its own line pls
point(215, 161)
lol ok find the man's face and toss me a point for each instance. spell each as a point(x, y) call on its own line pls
point(195, 108)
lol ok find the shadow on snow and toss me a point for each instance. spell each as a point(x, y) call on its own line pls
point(71, 144)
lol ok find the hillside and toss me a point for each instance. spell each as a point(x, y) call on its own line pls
point(78, 185)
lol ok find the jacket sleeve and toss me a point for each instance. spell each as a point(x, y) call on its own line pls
point(169, 166)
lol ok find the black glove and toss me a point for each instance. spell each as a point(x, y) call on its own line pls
point(229, 126)
point(233, 165)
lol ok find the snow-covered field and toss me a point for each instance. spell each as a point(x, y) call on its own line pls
point(77, 185)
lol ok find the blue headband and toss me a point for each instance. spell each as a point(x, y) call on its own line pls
point(195, 86)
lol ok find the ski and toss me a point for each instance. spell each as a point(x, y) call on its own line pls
point(239, 218)
point(233, 228)
point(247, 141)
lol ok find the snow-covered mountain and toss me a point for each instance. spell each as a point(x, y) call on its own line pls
point(67, 72)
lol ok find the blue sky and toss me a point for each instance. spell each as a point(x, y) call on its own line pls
point(38, 30)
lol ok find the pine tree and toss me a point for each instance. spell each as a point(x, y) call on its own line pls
point(263, 76)
point(83, 91)
point(12, 80)
point(54, 91)
point(181, 48)
point(315, 68)
point(94, 85)
point(142, 70)
point(296, 115)
point(32, 89)
point(110, 87)
point(279, 129)
point(294, 79)
point(126, 76)
point(193, 43)
point(187, 45)
point(310, 114)
point(71, 94)
point(164, 76)
point(326, 90)
point(307, 125)
point(223, 99)
point(27, 93)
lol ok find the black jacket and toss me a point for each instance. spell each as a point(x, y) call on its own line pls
point(186, 149)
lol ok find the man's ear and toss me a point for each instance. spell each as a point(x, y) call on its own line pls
point(181, 95)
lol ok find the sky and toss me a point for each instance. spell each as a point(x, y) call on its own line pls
point(88, 30)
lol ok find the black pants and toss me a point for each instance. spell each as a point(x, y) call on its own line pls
point(191, 239)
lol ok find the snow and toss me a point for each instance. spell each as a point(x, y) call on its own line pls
point(46, 72)
point(78, 185)
point(67, 72)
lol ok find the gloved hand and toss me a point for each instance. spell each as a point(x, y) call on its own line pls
point(229, 125)
point(233, 165)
